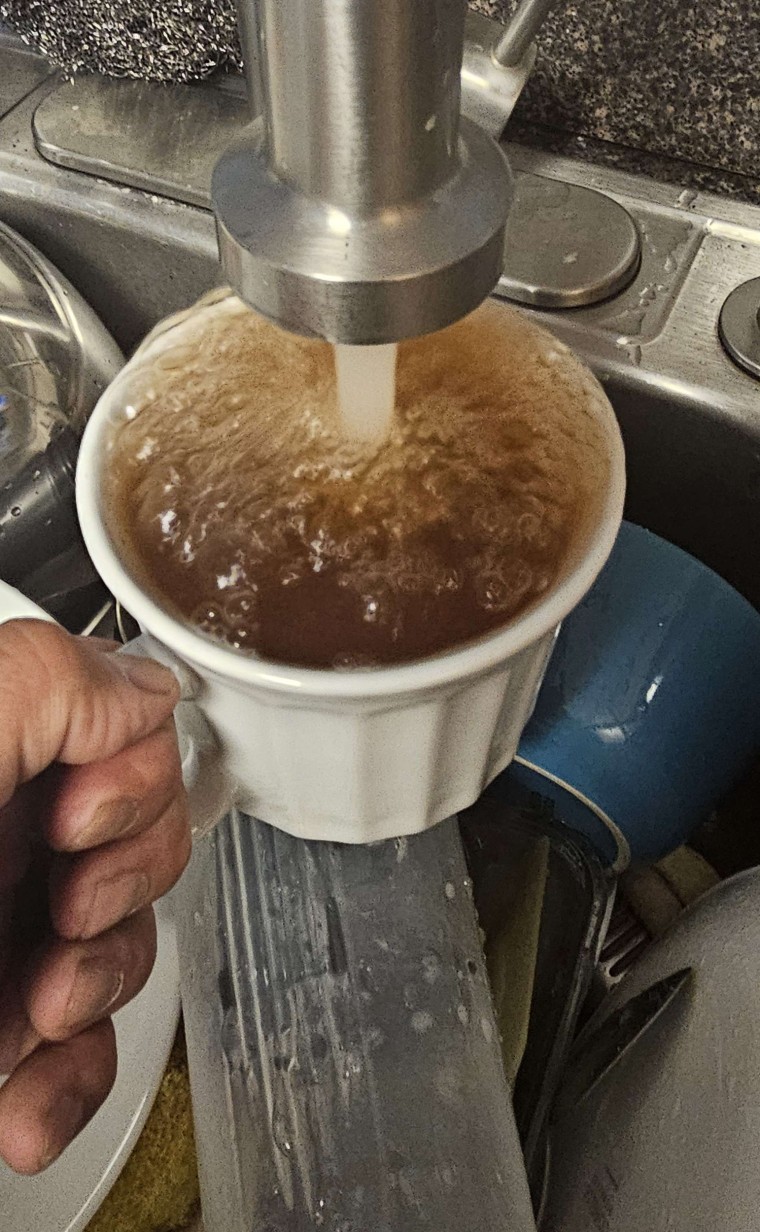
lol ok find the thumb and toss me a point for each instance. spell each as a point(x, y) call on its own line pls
point(63, 699)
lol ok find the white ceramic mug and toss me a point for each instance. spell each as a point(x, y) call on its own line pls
point(361, 756)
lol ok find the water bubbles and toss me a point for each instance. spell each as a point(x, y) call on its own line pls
point(167, 521)
point(502, 588)
point(209, 620)
point(267, 528)
point(147, 449)
point(239, 608)
point(231, 578)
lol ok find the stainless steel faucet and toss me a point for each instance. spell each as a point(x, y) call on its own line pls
point(360, 207)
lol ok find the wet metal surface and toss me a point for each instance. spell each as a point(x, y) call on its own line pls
point(345, 1058)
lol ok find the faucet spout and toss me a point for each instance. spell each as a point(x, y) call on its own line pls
point(360, 207)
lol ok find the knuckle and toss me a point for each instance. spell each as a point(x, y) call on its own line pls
point(34, 655)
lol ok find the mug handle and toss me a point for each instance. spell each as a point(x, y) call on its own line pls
point(209, 790)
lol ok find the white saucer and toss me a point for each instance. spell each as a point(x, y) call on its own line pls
point(67, 1195)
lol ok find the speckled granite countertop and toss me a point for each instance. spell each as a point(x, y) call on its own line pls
point(667, 87)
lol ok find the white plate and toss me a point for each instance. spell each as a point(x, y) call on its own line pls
point(67, 1195)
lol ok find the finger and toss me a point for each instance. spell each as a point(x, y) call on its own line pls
point(111, 799)
point(52, 1096)
point(17, 1035)
point(7, 903)
point(62, 700)
point(74, 984)
point(17, 834)
point(92, 892)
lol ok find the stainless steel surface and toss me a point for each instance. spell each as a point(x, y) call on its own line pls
point(566, 246)
point(135, 257)
point(490, 90)
point(249, 43)
point(516, 41)
point(344, 1057)
point(22, 71)
point(667, 1135)
point(55, 359)
point(740, 326)
point(599, 1047)
point(362, 100)
point(163, 139)
point(360, 208)
point(167, 138)
point(689, 415)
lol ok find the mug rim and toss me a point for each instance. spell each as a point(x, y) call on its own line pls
point(467, 660)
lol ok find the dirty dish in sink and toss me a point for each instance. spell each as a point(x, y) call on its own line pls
point(662, 1129)
point(650, 710)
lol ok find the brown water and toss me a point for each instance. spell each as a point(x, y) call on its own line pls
point(236, 499)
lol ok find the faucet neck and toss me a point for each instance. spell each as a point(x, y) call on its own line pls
point(361, 208)
point(361, 99)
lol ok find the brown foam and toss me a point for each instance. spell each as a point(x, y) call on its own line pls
point(235, 499)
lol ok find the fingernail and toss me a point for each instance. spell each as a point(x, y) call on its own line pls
point(116, 899)
point(65, 1119)
point(97, 985)
point(146, 674)
point(111, 819)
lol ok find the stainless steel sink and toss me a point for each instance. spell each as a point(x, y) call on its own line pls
point(690, 417)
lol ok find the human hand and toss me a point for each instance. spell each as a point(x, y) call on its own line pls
point(93, 828)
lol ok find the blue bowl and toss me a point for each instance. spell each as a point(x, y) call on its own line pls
point(650, 709)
